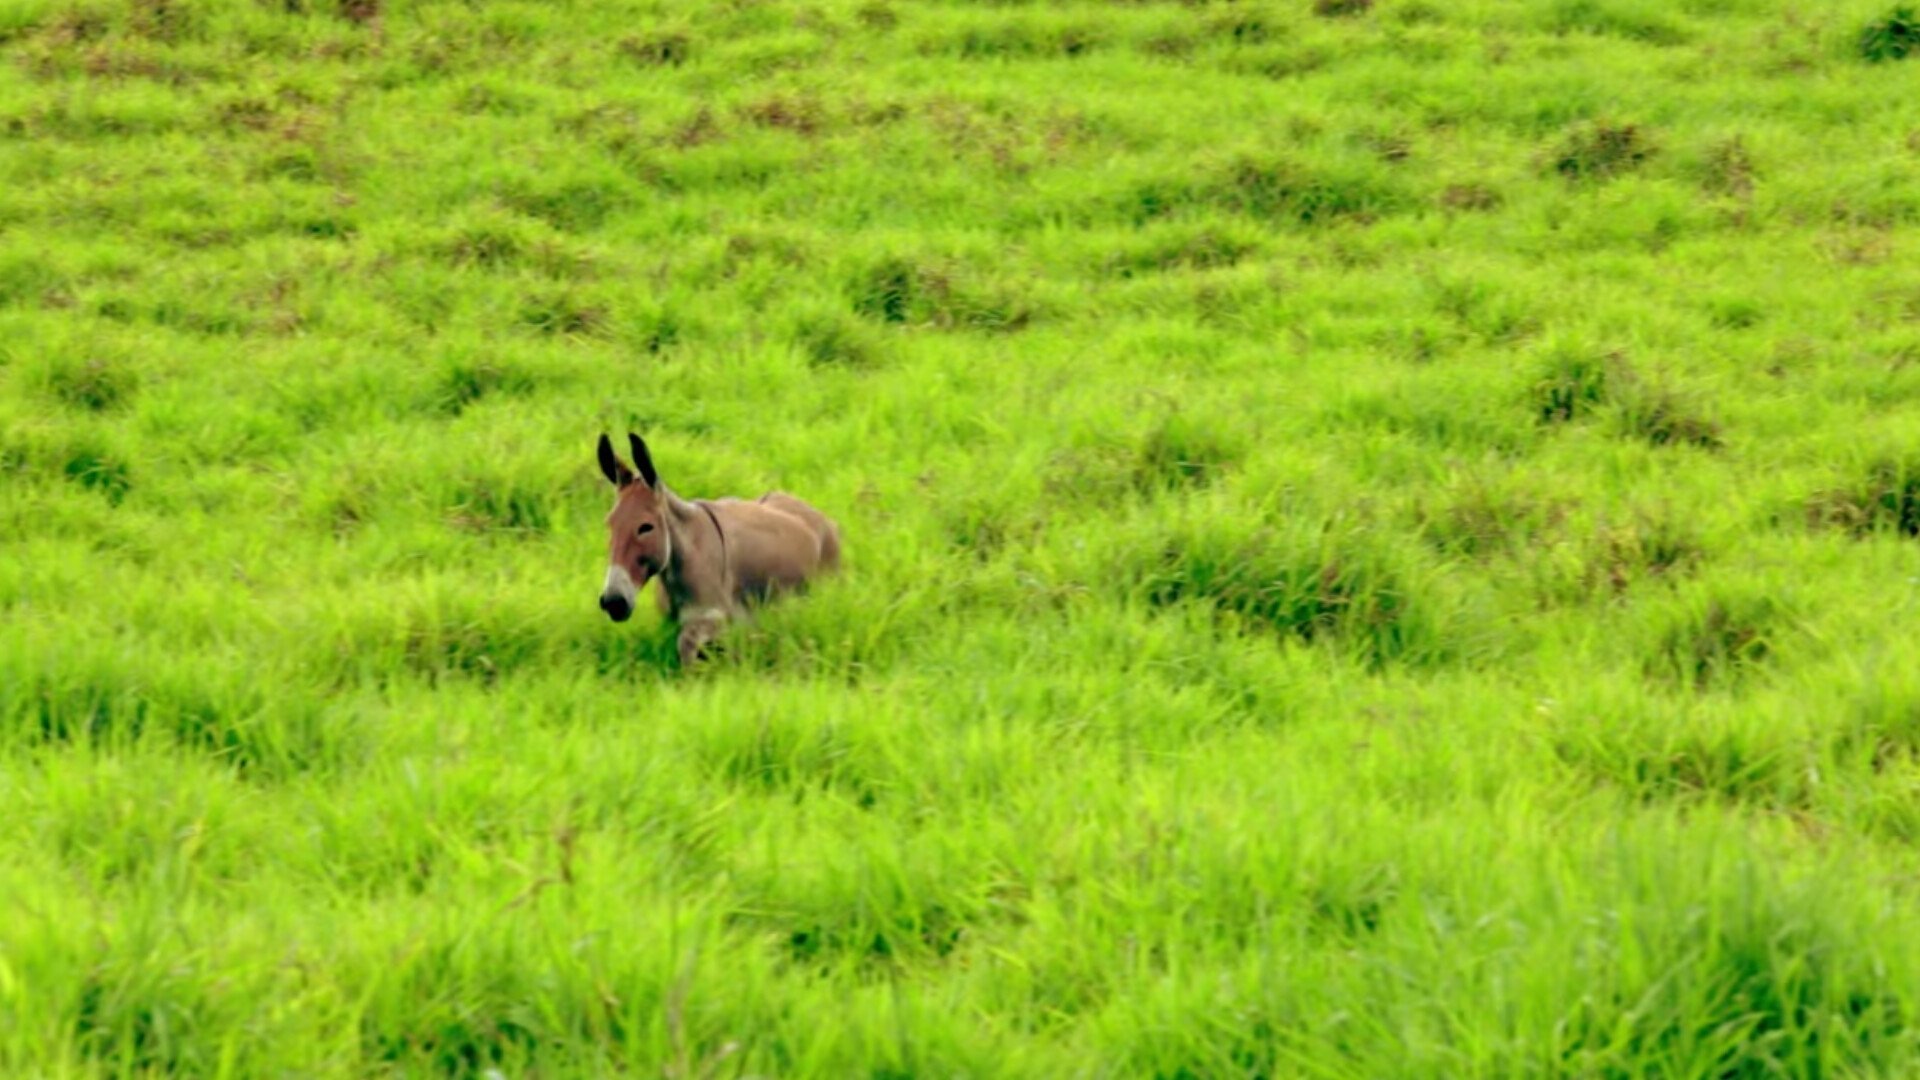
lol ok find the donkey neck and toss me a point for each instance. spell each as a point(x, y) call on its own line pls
point(696, 569)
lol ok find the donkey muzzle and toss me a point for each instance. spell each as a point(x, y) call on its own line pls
point(618, 596)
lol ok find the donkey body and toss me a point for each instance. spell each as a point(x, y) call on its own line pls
point(715, 558)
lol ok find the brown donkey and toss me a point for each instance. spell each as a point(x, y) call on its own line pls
point(714, 557)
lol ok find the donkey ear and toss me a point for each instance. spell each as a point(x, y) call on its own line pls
point(611, 467)
point(643, 460)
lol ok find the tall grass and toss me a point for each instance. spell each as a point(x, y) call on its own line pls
point(1380, 539)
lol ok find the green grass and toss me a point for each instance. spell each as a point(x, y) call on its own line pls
point(1382, 539)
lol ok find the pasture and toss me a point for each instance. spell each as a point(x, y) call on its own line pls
point(1381, 538)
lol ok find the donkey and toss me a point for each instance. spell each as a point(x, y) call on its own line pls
point(714, 557)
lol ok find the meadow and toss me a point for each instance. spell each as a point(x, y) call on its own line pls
point(1382, 538)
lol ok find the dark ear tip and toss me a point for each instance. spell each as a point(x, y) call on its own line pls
point(643, 460)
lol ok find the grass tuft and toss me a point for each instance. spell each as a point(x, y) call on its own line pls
point(501, 508)
point(1644, 548)
point(1633, 20)
point(1725, 640)
point(467, 382)
point(1664, 417)
point(99, 471)
point(1316, 589)
point(832, 339)
point(903, 291)
point(1886, 500)
point(1576, 382)
point(1476, 198)
point(665, 49)
point(95, 384)
point(1601, 151)
point(1729, 169)
point(1480, 523)
point(1183, 453)
point(1283, 190)
point(803, 116)
point(1894, 36)
point(1339, 9)
point(564, 314)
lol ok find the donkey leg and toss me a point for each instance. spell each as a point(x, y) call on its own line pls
point(696, 629)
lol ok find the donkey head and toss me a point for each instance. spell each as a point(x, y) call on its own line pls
point(639, 546)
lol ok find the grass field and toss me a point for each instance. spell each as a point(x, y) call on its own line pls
point(1383, 539)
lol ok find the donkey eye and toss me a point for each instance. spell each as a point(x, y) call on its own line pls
point(645, 528)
